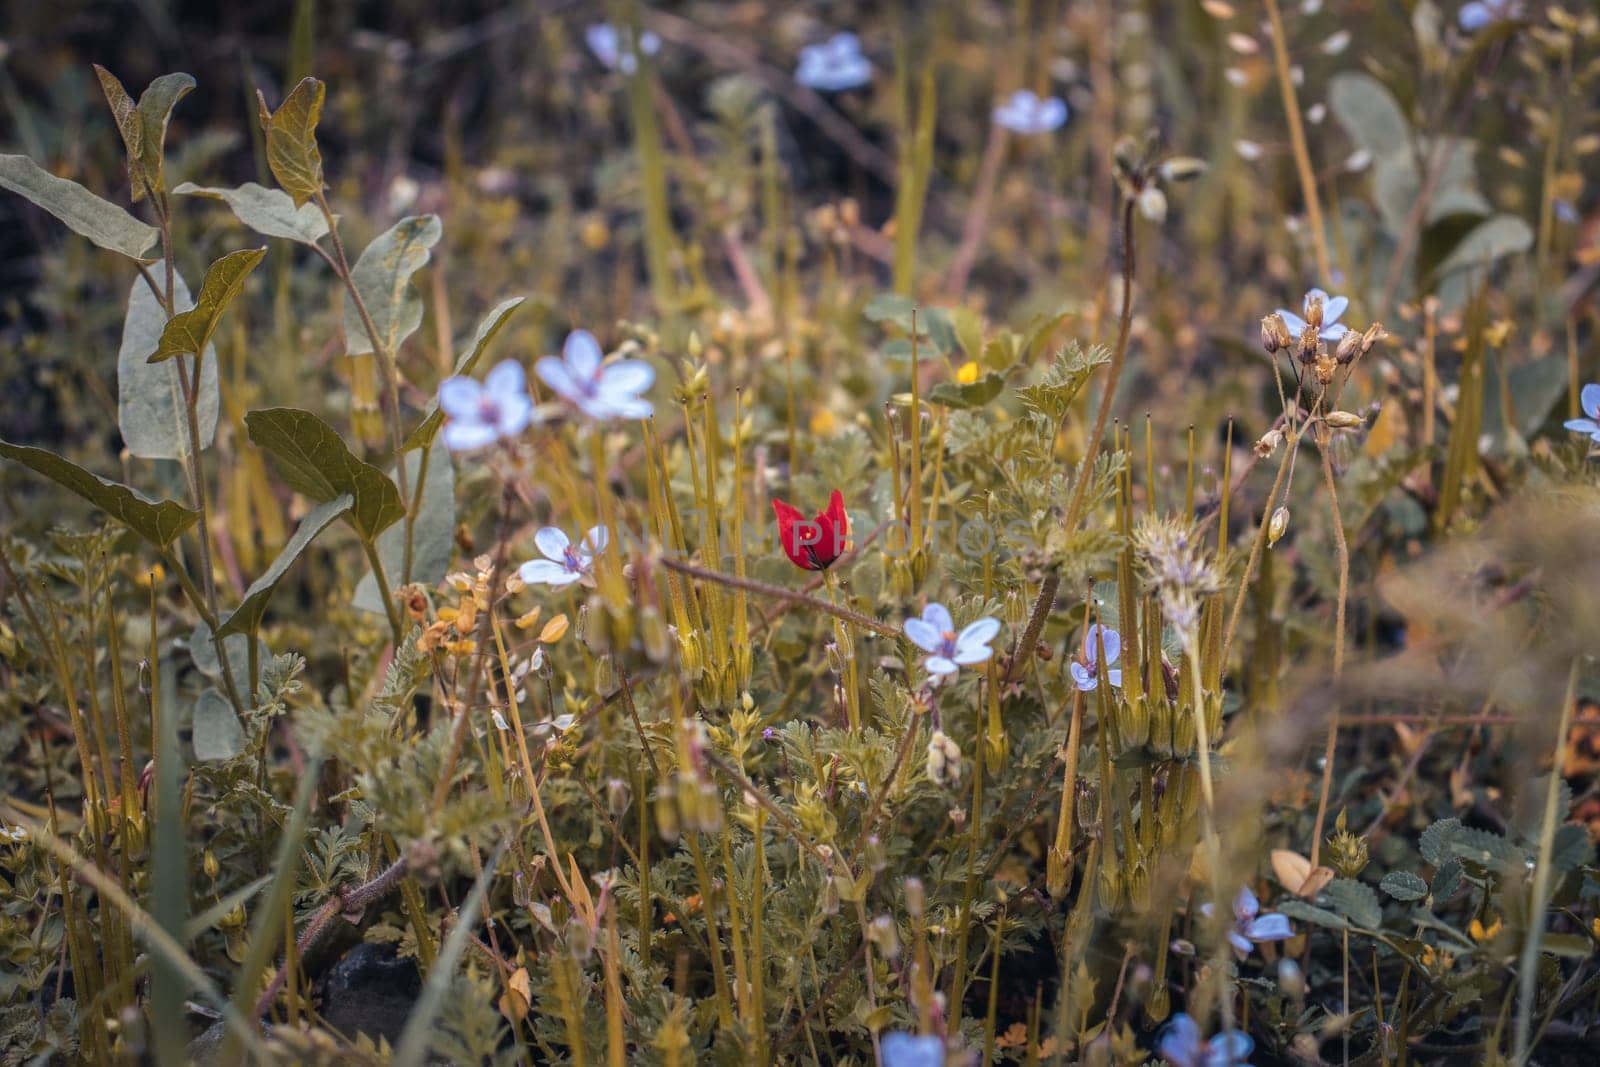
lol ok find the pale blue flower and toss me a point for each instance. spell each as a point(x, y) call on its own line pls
point(599, 391)
point(1026, 112)
point(948, 651)
point(564, 562)
point(1085, 675)
point(834, 65)
point(1181, 1045)
point(1590, 399)
point(1481, 13)
point(614, 48)
point(1332, 308)
point(901, 1049)
point(1251, 926)
point(478, 415)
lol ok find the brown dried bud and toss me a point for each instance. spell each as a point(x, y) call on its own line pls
point(1314, 312)
point(1275, 335)
point(1343, 420)
point(1374, 334)
point(1349, 347)
point(1309, 345)
point(415, 600)
point(1326, 365)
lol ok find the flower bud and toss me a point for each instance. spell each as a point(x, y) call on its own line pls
point(1349, 347)
point(916, 898)
point(1153, 204)
point(1277, 525)
point(1275, 335)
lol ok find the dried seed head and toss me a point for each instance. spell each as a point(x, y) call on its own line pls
point(1326, 365)
point(1268, 443)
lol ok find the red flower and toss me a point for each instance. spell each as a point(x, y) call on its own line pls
point(813, 544)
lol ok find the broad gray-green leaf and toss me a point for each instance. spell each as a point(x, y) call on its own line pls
point(383, 278)
point(217, 733)
point(291, 134)
point(970, 394)
point(1503, 235)
point(247, 617)
point(155, 111)
point(1403, 885)
point(159, 522)
point(270, 212)
point(432, 530)
point(203, 650)
point(85, 214)
point(149, 398)
point(491, 325)
point(314, 460)
point(1369, 114)
point(190, 331)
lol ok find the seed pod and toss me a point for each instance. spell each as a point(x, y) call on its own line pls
point(1349, 347)
point(1274, 334)
point(1343, 420)
point(1277, 525)
point(1153, 204)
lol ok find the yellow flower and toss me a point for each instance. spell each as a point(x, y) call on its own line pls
point(823, 423)
point(968, 373)
point(1481, 933)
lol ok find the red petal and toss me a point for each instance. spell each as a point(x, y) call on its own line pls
point(836, 513)
point(788, 536)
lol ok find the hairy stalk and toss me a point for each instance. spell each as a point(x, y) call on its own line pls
point(1342, 555)
point(1124, 323)
point(780, 593)
point(344, 901)
point(1297, 141)
point(1528, 964)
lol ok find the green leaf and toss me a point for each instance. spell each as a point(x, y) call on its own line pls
point(217, 734)
point(160, 523)
point(155, 111)
point(433, 529)
point(270, 212)
point(247, 617)
point(1299, 909)
point(203, 650)
point(1502, 235)
point(101, 221)
point(1355, 901)
point(1448, 838)
point(149, 398)
point(291, 134)
point(1446, 880)
point(1369, 114)
point(189, 332)
point(314, 460)
point(969, 395)
point(491, 325)
point(1403, 885)
point(125, 113)
point(383, 278)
